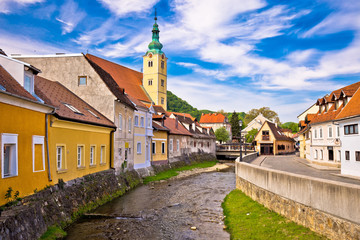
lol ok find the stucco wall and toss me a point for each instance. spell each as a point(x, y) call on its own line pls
point(333, 200)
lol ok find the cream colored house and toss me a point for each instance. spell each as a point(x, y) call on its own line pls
point(256, 123)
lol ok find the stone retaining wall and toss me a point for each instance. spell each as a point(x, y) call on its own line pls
point(327, 207)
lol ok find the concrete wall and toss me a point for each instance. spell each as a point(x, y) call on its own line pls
point(306, 200)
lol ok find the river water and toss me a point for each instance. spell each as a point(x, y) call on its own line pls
point(163, 210)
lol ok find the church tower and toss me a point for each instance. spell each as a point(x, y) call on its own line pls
point(155, 70)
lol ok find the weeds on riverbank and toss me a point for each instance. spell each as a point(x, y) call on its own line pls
point(174, 172)
point(247, 219)
point(53, 233)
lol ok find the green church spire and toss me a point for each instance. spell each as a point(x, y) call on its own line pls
point(155, 46)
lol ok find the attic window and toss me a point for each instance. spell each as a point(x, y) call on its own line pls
point(2, 88)
point(82, 80)
point(72, 108)
point(92, 113)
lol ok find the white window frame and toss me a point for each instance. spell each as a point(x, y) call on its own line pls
point(138, 149)
point(62, 157)
point(321, 154)
point(9, 138)
point(316, 154)
point(163, 148)
point(102, 154)
point(129, 125)
point(136, 121)
point(320, 133)
point(82, 155)
point(120, 122)
point(38, 140)
point(171, 145)
point(31, 82)
point(337, 131)
point(330, 132)
point(177, 145)
point(92, 155)
point(142, 120)
point(153, 147)
point(315, 133)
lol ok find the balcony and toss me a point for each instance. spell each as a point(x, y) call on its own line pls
point(265, 137)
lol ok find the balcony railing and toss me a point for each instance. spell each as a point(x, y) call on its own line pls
point(265, 137)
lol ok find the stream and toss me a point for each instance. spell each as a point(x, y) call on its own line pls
point(163, 210)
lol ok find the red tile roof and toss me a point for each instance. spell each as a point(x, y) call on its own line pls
point(126, 78)
point(212, 118)
point(157, 126)
point(55, 94)
point(159, 109)
point(136, 102)
point(326, 116)
point(12, 86)
point(175, 127)
point(352, 108)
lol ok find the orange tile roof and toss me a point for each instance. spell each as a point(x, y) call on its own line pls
point(159, 109)
point(212, 118)
point(352, 108)
point(55, 94)
point(126, 78)
point(326, 116)
point(176, 127)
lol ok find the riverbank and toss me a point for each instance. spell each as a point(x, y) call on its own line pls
point(247, 219)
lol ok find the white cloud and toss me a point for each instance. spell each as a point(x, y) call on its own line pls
point(70, 16)
point(300, 57)
point(124, 7)
point(19, 44)
point(214, 74)
point(7, 6)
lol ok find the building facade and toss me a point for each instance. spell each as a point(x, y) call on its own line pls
point(215, 121)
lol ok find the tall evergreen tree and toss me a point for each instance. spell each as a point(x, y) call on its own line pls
point(234, 121)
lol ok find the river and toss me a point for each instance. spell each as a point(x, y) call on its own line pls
point(163, 210)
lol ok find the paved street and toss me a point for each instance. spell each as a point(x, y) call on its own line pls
point(293, 164)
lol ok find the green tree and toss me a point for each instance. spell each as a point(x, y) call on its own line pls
point(265, 111)
point(250, 136)
point(234, 121)
point(221, 135)
point(291, 125)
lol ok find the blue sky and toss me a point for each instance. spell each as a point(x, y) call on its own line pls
point(225, 54)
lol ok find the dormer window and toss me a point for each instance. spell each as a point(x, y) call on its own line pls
point(345, 101)
point(29, 83)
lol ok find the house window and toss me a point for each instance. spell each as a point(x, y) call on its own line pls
point(150, 82)
point(162, 64)
point(330, 132)
point(162, 82)
point(163, 147)
point(120, 153)
point(194, 144)
point(177, 145)
point(351, 129)
point(153, 147)
point(29, 83)
point(321, 155)
point(345, 101)
point(80, 155)
point(337, 131)
point(320, 133)
point(339, 157)
point(316, 154)
point(102, 154)
point(149, 122)
point(142, 121)
point(162, 100)
point(136, 121)
point(92, 155)
point(72, 108)
point(347, 155)
point(171, 145)
point(38, 153)
point(265, 135)
point(357, 156)
point(129, 124)
point(82, 80)
point(60, 158)
point(315, 133)
point(120, 122)
point(138, 148)
point(150, 63)
point(208, 144)
point(9, 153)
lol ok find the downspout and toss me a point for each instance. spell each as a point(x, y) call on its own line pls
point(111, 147)
point(47, 143)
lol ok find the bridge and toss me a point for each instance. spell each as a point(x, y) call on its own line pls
point(232, 150)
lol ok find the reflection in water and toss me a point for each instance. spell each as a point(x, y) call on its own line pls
point(164, 210)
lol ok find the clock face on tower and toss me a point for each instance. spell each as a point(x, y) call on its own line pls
point(150, 55)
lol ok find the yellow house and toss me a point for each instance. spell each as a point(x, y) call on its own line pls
point(24, 166)
point(270, 140)
point(159, 141)
point(80, 137)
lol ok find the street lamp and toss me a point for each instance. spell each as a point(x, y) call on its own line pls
point(240, 124)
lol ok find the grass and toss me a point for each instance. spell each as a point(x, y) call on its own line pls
point(174, 172)
point(247, 219)
point(53, 233)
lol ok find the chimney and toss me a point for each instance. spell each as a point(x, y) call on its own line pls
point(162, 122)
point(202, 114)
point(176, 123)
point(215, 114)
